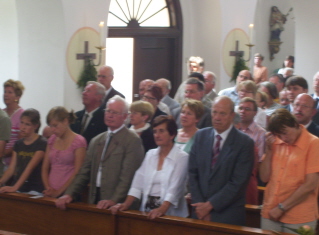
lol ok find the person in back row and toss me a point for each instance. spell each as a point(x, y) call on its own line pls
point(194, 89)
point(232, 92)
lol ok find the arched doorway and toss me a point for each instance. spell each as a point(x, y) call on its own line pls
point(157, 38)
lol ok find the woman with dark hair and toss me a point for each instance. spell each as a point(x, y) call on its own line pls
point(289, 62)
point(64, 154)
point(290, 168)
point(141, 113)
point(154, 95)
point(28, 153)
point(161, 179)
point(13, 91)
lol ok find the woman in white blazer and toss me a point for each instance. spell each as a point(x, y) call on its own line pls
point(161, 179)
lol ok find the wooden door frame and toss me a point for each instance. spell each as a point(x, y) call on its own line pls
point(175, 31)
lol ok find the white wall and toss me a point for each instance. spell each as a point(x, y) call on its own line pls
point(201, 33)
point(41, 53)
point(9, 62)
point(307, 34)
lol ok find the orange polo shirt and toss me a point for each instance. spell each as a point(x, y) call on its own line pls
point(290, 165)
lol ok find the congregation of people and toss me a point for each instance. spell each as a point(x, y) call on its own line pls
point(202, 150)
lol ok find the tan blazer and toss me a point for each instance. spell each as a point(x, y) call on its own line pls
point(123, 157)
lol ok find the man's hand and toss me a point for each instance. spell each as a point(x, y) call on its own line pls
point(105, 204)
point(62, 201)
point(275, 214)
point(202, 209)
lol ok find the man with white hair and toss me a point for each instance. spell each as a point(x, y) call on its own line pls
point(111, 161)
point(166, 88)
point(90, 121)
point(210, 94)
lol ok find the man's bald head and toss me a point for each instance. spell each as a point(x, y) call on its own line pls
point(304, 108)
point(144, 85)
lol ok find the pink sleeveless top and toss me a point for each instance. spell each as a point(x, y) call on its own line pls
point(62, 161)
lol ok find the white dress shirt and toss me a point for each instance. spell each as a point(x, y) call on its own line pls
point(173, 180)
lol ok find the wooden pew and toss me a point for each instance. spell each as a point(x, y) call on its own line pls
point(22, 214)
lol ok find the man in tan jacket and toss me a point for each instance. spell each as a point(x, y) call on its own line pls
point(111, 161)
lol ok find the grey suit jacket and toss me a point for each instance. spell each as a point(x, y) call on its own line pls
point(123, 157)
point(224, 186)
point(172, 104)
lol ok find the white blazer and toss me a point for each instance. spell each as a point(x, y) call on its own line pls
point(173, 181)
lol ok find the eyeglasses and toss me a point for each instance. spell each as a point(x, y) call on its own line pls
point(148, 98)
point(245, 109)
point(244, 77)
point(190, 92)
point(111, 112)
point(244, 91)
point(302, 106)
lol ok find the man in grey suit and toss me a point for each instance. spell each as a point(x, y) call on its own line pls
point(194, 89)
point(210, 94)
point(166, 88)
point(111, 161)
point(220, 164)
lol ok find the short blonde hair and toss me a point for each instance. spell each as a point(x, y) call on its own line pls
point(16, 85)
point(143, 107)
point(196, 106)
point(249, 86)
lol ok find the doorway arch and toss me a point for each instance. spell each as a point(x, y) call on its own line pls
point(157, 50)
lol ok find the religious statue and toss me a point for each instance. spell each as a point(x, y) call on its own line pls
point(276, 23)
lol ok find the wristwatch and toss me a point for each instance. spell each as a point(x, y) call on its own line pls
point(281, 207)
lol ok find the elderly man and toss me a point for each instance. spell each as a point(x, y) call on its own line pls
point(90, 121)
point(166, 88)
point(291, 168)
point(5, 131)
point(210, 94)
point(111, 161)
point(304, 110)
point(105, 77)
point(295, 85)
point(220, 164)
point(278, 80)
point(144, 86)
point(194, 89)
point(231, 92)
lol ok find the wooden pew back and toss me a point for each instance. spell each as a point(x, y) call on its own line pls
point(22, 214)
